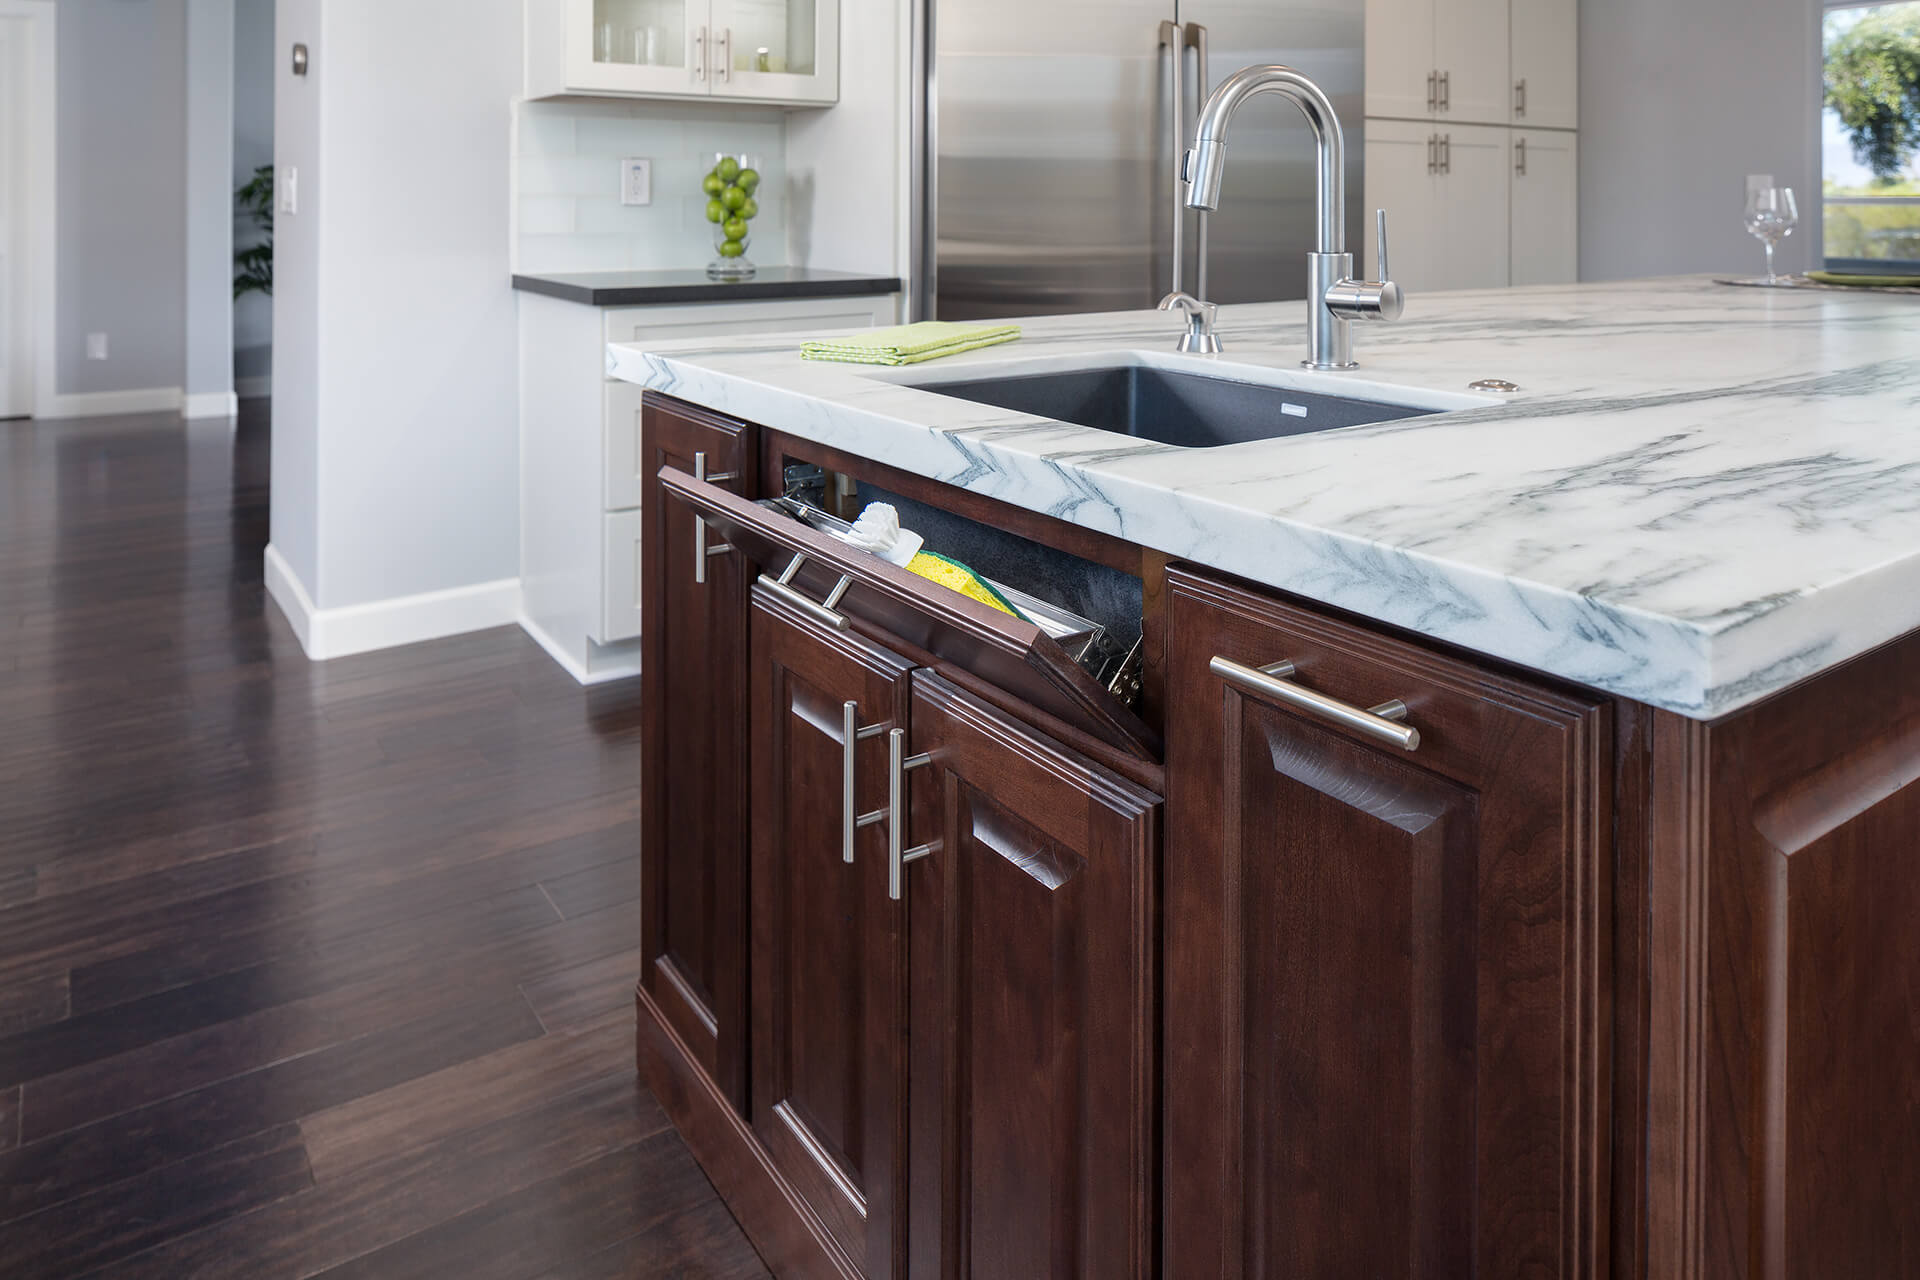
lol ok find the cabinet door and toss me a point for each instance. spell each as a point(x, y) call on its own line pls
point(1470, 47)
point(1399, 60)
point(1033, 977)
point(1546, 207)
point(828, 1020)
point(1400, 179)
point(637, 46)
point(784, 49)
point(694, 753)
point(1546, 64)
point(1386, 990)
point(1471, 224)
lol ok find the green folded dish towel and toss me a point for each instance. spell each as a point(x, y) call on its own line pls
point(909, 343)
point(1865, 282)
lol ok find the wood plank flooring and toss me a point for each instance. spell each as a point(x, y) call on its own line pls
point(305, 969)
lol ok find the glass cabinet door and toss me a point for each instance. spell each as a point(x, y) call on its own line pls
point(781, 49)
point(638, 46)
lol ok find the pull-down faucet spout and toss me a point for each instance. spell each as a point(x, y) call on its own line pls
point(1334, 298)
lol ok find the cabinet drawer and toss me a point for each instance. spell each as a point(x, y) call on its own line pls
point(620, 469)
point(717, 319)
point(1008, 652)
point(620, 577)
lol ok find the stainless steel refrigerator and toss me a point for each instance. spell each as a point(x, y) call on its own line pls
point(1048, 135)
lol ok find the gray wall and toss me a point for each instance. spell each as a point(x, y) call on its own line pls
point(122, 194)
point(254, 62)
point(1679, 101)
point(209, 203)
point(296, 300)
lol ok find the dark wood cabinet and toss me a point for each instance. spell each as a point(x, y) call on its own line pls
point(1030, 1019)
point(1386, 970)
point(828, 943)
point(693, 933)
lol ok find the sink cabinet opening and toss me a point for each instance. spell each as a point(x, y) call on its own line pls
point(1065, 590)
point(1188, 411)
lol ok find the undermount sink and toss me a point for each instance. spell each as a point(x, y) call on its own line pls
point(1189, 410)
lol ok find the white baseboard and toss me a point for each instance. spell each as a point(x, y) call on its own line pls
point(211, 404)
point(602, 664)
point(253, 388)
point(103, 404)
point(384, 624)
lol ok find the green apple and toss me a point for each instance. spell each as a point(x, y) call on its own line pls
point(750, 209)
point(728, 168)
point(734, 198)
point(712, 184)
point(716, 212)
point(749, 179)
point(732, 249)
point(734, 228)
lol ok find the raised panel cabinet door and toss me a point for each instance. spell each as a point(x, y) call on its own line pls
point(1385, 997)
point(1546, 207)
point(1472, 236)
point(693, 625)
point(1401, 157)
point(828, 942)
point(1033, 963)
point(1399, 60)
point(1546, 64)
point(1471, 50)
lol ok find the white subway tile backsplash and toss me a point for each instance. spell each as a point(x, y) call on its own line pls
point(568, 183)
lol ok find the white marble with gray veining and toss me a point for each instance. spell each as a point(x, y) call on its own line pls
point(1700, 496)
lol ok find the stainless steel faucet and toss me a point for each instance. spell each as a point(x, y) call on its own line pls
point(1334, 298)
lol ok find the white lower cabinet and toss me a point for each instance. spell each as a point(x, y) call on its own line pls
point(1546, 206)
point(580, 480)
point(1461, 213)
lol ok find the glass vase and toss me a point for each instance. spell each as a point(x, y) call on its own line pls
point(731, 183)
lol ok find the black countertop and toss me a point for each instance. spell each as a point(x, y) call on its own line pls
point(643, 288)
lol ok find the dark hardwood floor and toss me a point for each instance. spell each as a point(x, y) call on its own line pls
point(305, 969)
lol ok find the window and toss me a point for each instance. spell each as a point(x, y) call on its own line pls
point(1870, 137)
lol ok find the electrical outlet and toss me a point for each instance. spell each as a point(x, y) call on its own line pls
point(96, 346)
point(288, 188)
point(636, 181)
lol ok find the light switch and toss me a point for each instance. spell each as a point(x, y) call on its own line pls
point(636, 181)
point(96, 346)
point(289, 190)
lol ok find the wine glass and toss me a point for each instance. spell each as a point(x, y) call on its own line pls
point(1771, 217)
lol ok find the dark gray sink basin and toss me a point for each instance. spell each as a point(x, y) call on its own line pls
point(1191, 410)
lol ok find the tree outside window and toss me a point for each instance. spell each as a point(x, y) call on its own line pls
point(1871, 136)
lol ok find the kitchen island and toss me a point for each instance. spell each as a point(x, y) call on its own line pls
point(1565, 924)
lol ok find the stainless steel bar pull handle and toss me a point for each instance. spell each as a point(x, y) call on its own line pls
point(1177, 110)
point(1520, 97)
point(1446, 90)
point(820, 611)
point(899, 765)
point(1520, 156)
point(700, 53)
point(701, 551)
point(1380, 723)
point(851, 735)
point(1433, 91)
point(723, 54)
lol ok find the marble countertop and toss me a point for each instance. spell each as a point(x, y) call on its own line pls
point(1699, 496)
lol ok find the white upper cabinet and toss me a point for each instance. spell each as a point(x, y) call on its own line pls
point(1546, 64)
point(772, 51)
point(1470, 53)
point(1445, 191)
point(1401, 75)
point(1546, 206)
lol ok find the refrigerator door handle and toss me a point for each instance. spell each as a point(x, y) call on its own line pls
point(1170, 43)
point(1196, 40)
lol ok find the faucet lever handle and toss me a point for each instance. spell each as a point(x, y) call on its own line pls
point(1380, 247)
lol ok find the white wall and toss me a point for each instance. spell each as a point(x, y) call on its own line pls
point(208, 275)
point(122, 194)
point(396, 452)
point(846, 167)
point(567, 184)
point(1678, 103)
point(254, 64)
point(297, 297)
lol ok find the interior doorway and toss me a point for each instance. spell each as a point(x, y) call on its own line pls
point(28, 231)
